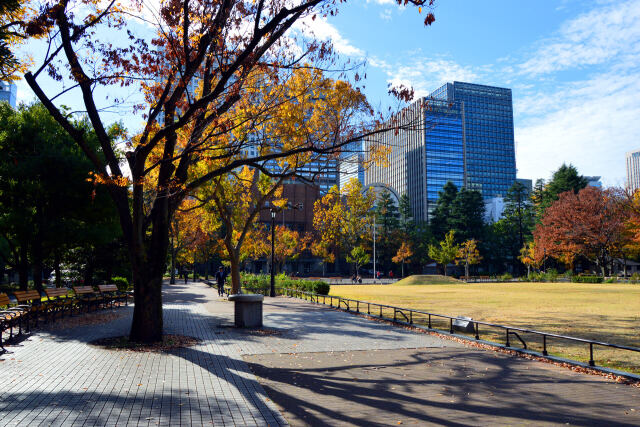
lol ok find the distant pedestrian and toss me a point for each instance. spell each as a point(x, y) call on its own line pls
point(221, 276)
point(390, 274)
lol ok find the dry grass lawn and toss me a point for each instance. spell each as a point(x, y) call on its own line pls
point(604, 312)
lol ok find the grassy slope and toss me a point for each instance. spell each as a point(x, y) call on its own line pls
point(607, 312)
point(424, 279)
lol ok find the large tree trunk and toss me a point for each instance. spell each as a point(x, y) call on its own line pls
point(147, 325)
point(148, 261)
point(234, 258)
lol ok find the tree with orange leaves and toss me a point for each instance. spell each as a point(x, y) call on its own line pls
point(585, 224)
point(202, 60)
point(403, 254)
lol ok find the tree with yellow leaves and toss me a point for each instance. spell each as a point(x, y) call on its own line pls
point(468, 254)
point(207, 70)
point(530, 256)
point(342, 220)
point(190, 233)
point(403, 254)
point(237, 200)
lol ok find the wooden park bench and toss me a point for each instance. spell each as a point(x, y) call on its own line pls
point(86, 295)
point(111, 294)
point(31, 301)
point(59, 301)
point(10, 316)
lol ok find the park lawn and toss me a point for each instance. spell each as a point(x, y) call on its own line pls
point(604, 312)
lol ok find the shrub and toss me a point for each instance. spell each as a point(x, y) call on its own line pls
point(535, 276)
point(611, 280)
point(635, 278)
point(321, 287)
point(505, 277)
point(262, 282)
point(586, 279)
point(122, 283)
point(551, 275)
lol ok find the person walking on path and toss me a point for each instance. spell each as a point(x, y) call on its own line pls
point(221, 275)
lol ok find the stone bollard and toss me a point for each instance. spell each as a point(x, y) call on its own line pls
point(248, 310)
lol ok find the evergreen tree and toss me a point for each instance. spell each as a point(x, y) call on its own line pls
point(537, 197)
point(47, 206)
point(442, 213)
point(467, 215)
point(388, 224)
point(566, 178)
point(518, 217)
point(406, 214)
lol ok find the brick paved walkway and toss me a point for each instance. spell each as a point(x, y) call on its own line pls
point(318, 367)
point(55, 378)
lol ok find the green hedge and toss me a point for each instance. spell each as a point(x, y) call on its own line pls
point(122, 283)
point(586, 279)
point(263, 282)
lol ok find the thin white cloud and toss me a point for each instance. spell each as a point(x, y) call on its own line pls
point(590, 125)
point(425, 74)
point(321, 29)
point(386, 15)
point(595, 37)
point(591, 120)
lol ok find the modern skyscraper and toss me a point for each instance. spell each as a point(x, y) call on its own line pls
point(351, 167)
point(462, 133)
point(488, 129)
point(633, 170)
point(8, 93)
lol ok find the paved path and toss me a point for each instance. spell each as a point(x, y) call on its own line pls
point(318, 367)
point(55, 378)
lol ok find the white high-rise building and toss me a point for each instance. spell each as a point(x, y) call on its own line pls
point(8, 93)
point(349, 168)
point(633, 170)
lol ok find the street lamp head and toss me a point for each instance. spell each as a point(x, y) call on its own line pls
point(273, 213)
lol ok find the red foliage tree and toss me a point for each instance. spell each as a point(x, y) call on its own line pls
point(590, 223)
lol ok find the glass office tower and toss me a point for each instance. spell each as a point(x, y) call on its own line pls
point(444, 148)
point(488, 130)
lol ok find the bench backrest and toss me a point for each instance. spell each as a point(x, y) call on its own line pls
point(56, 292)
point(83, 290)
point(108, 288)
point(26, 296)
point(4, 300)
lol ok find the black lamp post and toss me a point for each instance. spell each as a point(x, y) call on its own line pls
point(272, 292)
point(274, 210)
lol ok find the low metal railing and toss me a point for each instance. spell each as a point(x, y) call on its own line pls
point(412, 317)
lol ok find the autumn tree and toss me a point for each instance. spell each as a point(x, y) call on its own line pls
point(342, 221)
point(190, 230)
point(12, 34)
point(585, 224)
point(530, 257)
point(200, 61)
point(446, 252)
point(468, 254)
point(403, 254)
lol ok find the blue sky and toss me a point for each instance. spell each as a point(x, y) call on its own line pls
point(573, 67)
